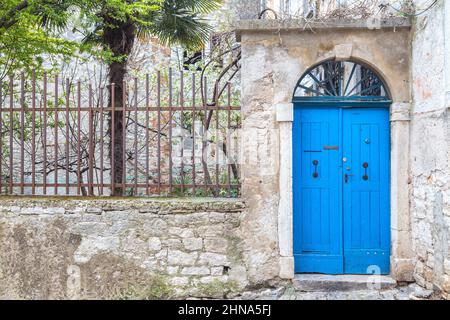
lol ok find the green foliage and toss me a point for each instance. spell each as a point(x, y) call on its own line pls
point(157, 288)
point(217, 289)
point(174, 22)
point(181, 22)
point(30, 30)
point(202, 191)
point(27, 38)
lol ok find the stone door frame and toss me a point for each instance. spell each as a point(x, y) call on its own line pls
point(401, 254)
point(275, 53)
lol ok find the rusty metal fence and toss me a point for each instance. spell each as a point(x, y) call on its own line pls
point(162, 135)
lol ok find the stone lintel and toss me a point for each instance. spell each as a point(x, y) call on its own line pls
point(302, 25)
point(343, 51)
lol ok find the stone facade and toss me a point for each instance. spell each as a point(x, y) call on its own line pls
point(274, 56)
point(110, 248)
point(413, 57)
point(430, 148)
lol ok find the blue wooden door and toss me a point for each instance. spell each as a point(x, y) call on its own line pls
point(317, 171)
point(366, 200)
point(341, 190)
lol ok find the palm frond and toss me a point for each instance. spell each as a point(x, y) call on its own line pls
point(53, 14)
point(183, 22)
point(200, 6)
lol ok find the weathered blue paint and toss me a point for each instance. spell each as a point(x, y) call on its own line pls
point(341, 225)
point(366, 203)
point(317, 216)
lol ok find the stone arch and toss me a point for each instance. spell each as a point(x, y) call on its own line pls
point(356, 60)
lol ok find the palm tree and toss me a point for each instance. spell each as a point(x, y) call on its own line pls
point(115, 25)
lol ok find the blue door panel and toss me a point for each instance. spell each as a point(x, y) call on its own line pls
point(359, 262)
point(317, 235)
point(341, 190)
point(366, 196)
point(317, 263)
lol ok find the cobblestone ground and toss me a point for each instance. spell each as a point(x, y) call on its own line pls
point(407, 292)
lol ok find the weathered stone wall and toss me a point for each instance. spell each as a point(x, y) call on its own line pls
point(275, 54)
point(430, 149)
point(120, 248)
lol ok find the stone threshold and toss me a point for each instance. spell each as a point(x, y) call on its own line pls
point(329, 283)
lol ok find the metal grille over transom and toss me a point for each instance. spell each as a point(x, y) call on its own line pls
point(341, 79)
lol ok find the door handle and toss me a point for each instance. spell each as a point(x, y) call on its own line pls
point(346, 177)
point(365, 176)
point(315, 164)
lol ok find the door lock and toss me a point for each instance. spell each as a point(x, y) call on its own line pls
point(346, 177)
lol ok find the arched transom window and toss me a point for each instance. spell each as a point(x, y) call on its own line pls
point(343, 79)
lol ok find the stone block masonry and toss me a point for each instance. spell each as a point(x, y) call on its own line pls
point(430, 149)
point(59, 248)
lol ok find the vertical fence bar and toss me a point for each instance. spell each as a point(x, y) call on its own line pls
point(228, 138)
point(182, 130)
point(135, 136)
point(112, 145)
point(16, 120)
point(67, 135)
point(1, 136)
point(193, 135)
point(79, 138)
point(56, 134)
point(170, 132)
point(204, 135)
point(124, 137)
point(11, 133)
point(22, 133)
point(147, 138)
point(158, 85)
point(217, 106)
point(44, 163)
point(33, 134)
point(102, 141)
point(91, 144)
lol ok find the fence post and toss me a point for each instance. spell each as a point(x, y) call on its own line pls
point(1, 136)
point(91, 144)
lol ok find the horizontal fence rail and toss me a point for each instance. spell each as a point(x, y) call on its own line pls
point(163, 135)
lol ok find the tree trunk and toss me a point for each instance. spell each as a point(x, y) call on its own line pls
point(120, 40)
point(318, 8)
